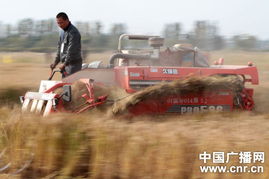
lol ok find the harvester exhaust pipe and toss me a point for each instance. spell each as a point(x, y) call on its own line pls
point(132, 37)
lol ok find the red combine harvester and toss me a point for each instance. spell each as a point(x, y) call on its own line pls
point(135, 70)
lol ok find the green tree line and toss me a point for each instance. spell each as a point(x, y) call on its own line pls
point(42, 36)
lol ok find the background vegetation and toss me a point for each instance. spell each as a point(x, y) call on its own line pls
point(42, 36)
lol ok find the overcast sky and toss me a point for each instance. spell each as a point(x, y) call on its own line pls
point(149, 16)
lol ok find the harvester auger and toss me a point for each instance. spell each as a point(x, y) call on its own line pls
point(156, 80)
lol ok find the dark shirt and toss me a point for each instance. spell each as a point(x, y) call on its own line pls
point(69, 47)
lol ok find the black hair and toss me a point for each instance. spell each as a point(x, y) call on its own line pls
point(62, 15)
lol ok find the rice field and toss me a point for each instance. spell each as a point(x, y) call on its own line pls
point(98, 145)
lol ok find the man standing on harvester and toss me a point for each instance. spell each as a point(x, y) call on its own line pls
point(69, 47)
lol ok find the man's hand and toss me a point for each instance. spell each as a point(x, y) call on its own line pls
point(62, 66)
point(52, 66)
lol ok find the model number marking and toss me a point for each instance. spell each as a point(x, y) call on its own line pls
point(195, 109)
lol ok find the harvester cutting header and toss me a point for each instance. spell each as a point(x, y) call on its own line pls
point(155, 79)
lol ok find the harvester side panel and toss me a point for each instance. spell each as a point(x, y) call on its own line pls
point(147, 76)
point(121, 77)
point(194, 103)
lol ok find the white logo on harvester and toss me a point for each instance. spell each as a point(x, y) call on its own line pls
point(196, 109)
point(170, 71)
point(182, 109)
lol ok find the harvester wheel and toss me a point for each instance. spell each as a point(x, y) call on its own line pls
point(248, 103)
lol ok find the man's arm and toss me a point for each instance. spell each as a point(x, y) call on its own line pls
point(57, 59)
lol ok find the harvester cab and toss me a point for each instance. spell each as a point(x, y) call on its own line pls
point(145, 50)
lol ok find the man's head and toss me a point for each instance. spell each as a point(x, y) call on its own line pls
point(62, 20)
